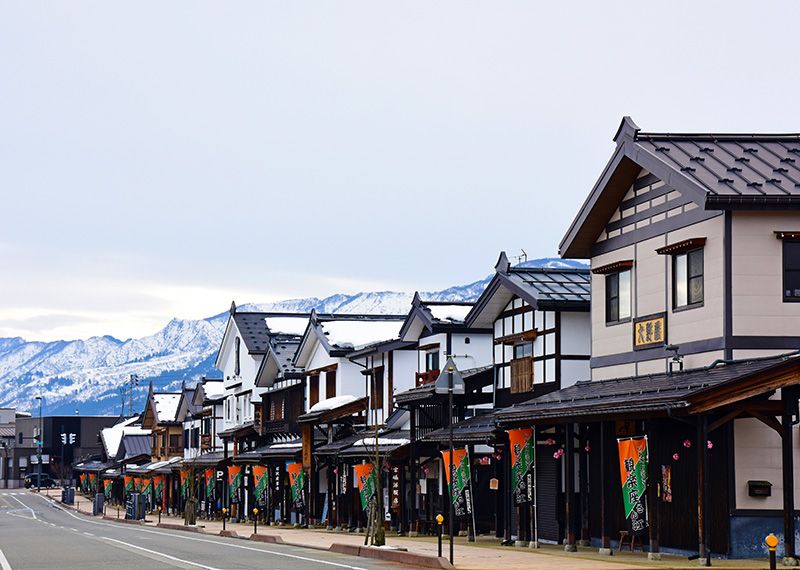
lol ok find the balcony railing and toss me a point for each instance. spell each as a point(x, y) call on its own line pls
point(427, 377)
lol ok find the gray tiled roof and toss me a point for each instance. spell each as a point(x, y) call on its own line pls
point(732, 165)
point(553, 285)
point(638, 394)
point(253, 329)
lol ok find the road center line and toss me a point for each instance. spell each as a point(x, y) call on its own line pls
point(167, 556)
point(4, 565)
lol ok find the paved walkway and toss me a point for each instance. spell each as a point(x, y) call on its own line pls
point(485, 554)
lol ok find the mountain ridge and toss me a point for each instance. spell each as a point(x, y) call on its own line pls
point(86, 374)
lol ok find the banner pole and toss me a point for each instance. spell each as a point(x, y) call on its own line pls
point(474, 536)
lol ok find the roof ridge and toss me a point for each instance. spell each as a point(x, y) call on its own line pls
point(718, 136)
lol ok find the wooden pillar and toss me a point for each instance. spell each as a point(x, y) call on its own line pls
point(702, 491)
point(412, 467)
point(569, 487)
point(653, 491)
point(789, 397)
point(508, 494)
point(605, 540)
point(583, 467)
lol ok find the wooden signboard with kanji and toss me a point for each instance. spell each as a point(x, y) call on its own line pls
point(650, 331)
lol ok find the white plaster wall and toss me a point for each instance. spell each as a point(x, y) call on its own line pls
point(757, 274)
point(707, 321)
point(405, 368)
point(576, 334)
point(613, 339)
point(757, 456)
point(473, 355)
point(619, 371)
point(574, 370)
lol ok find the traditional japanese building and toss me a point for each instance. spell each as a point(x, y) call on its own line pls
point(694, 244)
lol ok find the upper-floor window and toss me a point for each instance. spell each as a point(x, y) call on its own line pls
point(237, 362)
point(376, 390)
point(330, 384)
point(523, 349)
point(432, 360)
point(313, 389)
point(791, 271)
point(687, 278)
point(618, 296)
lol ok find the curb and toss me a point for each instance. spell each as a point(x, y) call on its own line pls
point(268, 538)
point(125, 521)
point(229, 533)
point(183, 527)
point(400, 556)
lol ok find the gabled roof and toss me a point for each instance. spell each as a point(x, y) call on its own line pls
point(716, 171)
point(134, 447)
point(208, 391)
point(252, 329)
point(433, 316)
point(112, 436)
point(186, 405)
point(341, 335)
point(541, 287)
point(475, 379)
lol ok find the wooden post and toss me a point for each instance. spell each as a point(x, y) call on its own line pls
point(508, 497)
point(605, 540)
point(789, 397)
point(653, 499)
point(702, 513)
point(583, 466)
point(412, 466)
point(569, 487)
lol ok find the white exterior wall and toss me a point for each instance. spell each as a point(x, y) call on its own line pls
point(757, 273)
point(191, 453)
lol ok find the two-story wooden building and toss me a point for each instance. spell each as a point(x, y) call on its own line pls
point(693, 242)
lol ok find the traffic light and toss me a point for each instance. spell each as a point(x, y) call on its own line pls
point(63, 439)
point(72, 438)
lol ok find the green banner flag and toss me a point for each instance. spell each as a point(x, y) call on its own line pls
point(234, 480)
point(367, 483)
point(633, 463)
point(108, 487)
point(522, 455)
point(211, 481)
point(297, 480)
point(147, 485)
point(458, 480)
point(261, 480)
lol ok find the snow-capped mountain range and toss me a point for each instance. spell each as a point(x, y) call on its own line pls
point(86, 375)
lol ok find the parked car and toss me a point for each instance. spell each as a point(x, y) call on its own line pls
point(47, 481)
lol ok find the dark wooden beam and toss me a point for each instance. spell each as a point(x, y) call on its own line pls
point(569, 487)
point(769, 421)
point(719, 422)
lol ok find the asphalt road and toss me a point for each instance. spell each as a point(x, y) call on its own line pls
point(35, 534)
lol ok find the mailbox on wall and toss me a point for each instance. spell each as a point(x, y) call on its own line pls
point(759, 488)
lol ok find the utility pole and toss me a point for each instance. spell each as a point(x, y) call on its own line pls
point(134, 381)
point(450, 466)
point(39, 449)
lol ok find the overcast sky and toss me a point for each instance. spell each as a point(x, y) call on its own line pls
point(163, 158)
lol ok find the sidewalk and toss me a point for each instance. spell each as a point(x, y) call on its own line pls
point(485, 554)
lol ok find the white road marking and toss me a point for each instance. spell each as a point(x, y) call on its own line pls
point(26, 506)
point(88, 534)
point(167, 556)
point(217, 542)
point(4, 565)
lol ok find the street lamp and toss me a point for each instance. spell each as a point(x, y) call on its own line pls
point(39, 450)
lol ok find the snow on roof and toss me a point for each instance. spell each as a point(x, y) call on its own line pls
point(112, 436)
point(358, 334)
point(166, 406)
point(287, 325)
point(292, 445)
point(370, 441)
point(450, 312)
point(332, 403)
point(213, 389)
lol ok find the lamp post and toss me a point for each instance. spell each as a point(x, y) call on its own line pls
point(255, 520)
point(39, 450)
point(224, 516)
point(450, 466)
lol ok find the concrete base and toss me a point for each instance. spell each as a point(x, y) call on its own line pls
point(788, 561)
point(521, 544)
point(654, 556)
point(570, 548)
point(583, 543)
point(605, 552)
point(534, 544)
point(462, 533)
point(413, 533)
